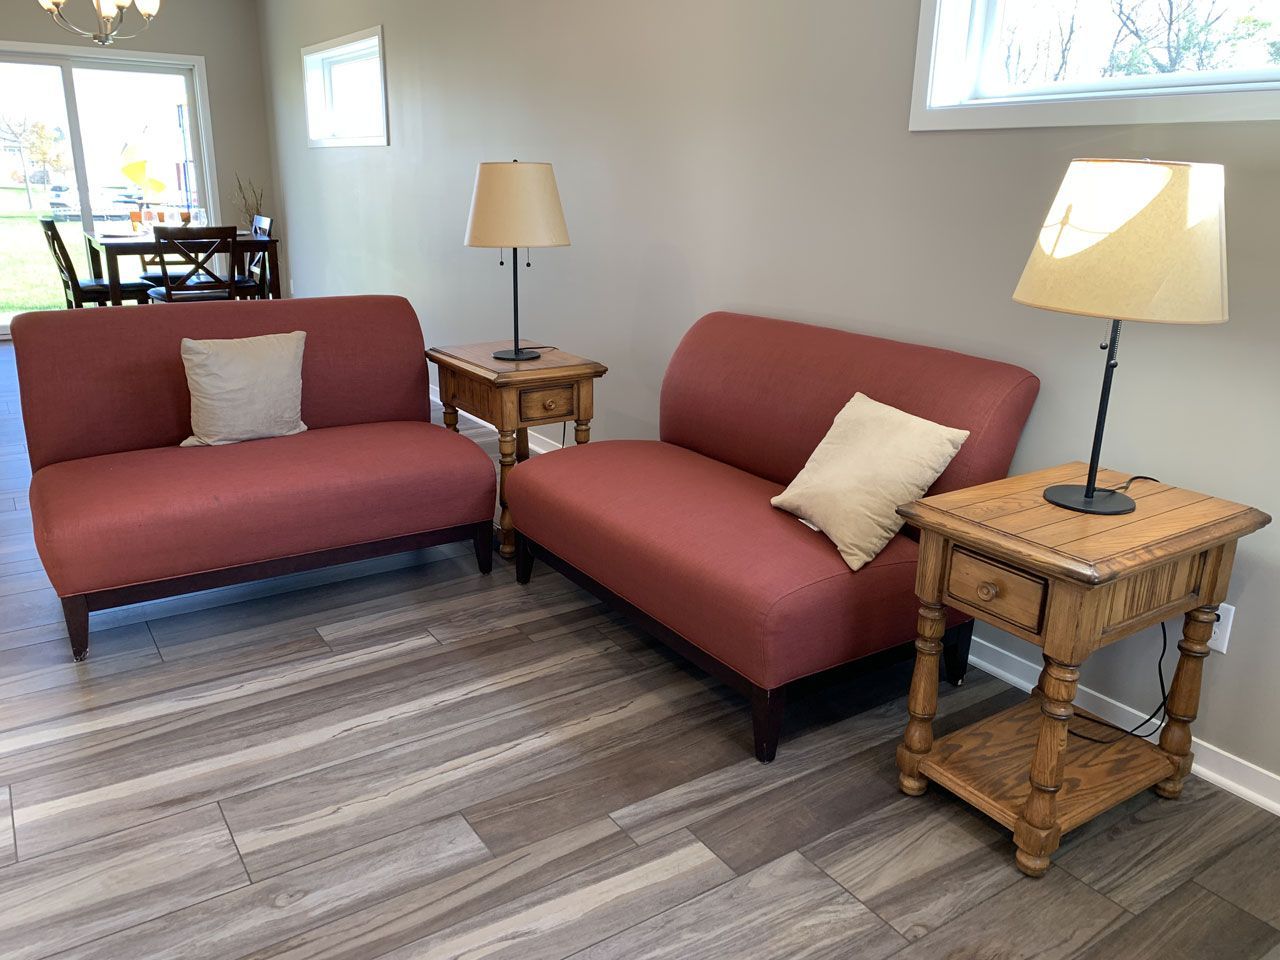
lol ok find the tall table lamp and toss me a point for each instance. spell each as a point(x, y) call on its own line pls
point(516, 205)
point(1129, 240)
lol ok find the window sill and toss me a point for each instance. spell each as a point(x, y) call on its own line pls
point(1221, 107)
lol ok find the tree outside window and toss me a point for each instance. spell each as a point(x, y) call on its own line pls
point(41, 151)
point(1044, 42)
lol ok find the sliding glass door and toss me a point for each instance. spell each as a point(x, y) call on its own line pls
point(101, 144)
point(37, 178)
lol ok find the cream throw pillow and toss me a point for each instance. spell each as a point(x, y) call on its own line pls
point(244, 389)
point(874, 458)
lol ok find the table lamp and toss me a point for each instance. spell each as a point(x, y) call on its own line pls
point(1129, 240)
point(516, 205)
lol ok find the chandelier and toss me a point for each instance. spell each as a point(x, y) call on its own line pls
point(110, 14)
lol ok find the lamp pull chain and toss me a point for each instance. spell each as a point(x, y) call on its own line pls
point(528, 257)
point(501, 257)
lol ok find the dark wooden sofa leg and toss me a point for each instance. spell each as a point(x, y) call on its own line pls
point(524, 558)
point(955, 652)
point(766, 720)
point(75, 610)
point(483, 539)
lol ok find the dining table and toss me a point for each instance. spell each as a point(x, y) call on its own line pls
point(108, 247)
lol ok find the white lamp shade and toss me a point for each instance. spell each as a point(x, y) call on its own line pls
point(1133, 240)
point(148, 8)
point(516, 205)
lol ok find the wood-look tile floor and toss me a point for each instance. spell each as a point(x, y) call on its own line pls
point(423, 762)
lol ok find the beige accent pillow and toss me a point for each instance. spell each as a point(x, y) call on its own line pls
point(874, 458)
point(244, 389)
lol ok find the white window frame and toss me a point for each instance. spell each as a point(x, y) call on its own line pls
point(382, 139)
point(948, 95)
point(192, 67)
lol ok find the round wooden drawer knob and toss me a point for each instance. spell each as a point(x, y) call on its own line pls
point(550, 405)
point(988, 591)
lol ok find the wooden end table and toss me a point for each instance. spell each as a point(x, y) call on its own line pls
point(514, 396)
point(1069, 583)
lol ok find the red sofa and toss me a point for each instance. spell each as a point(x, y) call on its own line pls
point(681, 532)
point(123, 514)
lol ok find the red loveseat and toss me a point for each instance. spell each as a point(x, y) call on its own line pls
point(122, 514)
point(681, 532)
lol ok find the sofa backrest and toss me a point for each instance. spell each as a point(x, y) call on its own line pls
point(759, 394)
point(98, 381)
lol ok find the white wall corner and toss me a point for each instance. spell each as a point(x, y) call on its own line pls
point(1233, 774)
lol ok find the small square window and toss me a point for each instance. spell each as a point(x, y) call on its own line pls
point(346, 91)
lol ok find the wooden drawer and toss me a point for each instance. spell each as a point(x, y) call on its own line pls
point(1001, 591)
point(547, 403)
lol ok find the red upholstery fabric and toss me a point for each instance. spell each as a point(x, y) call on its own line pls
point(759, 394)
point(95, 382)
point(145, 515)
point(696, 545)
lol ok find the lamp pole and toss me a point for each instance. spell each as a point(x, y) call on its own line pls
point(515, 300)
point(1088, 498)
point(1112, 346)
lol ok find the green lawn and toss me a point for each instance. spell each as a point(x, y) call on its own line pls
point(28, 278)
point(14, 200)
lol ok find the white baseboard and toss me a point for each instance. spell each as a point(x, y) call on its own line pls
point(1233, 774)
point(537, 442)
point(540, 444)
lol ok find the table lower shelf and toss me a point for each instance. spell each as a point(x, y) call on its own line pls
point(987, 765)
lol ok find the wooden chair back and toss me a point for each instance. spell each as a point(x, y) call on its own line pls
point(66, 268)
point(189, 260)
point(259, 263)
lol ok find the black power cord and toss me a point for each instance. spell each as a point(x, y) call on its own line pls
point(1164, 649)
point(1160, 709)
point(1124, 487)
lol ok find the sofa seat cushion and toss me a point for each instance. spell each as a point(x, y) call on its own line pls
point(695, 544)
point(144, 515)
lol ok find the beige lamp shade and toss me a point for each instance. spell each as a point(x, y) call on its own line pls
point(1133, 240)
point(516, 205)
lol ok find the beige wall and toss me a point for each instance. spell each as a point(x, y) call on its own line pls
point(754, 155)
point(225, 34)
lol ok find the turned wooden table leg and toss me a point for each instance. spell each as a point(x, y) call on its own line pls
point(922, 702)
point(1184, 697)
point(1037, 832)
point(1038, 690)
point(506, 460)
point(581, 431)
point(522, 444)
point(450, 417)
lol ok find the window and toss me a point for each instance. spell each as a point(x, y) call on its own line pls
point(345, 91)
point(1014, 63)
point(93, 138)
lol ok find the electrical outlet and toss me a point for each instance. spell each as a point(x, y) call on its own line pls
point(1222, 629)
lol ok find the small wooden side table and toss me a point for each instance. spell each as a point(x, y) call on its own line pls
point(514, 396)
point(1069, 583)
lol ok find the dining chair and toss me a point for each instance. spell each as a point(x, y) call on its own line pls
point(79, 292)
point(259, 262)
point(189, 264)
point(253, 284)
point(151, 273)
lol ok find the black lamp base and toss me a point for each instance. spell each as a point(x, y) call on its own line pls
point(1107, 502)
point(521, 354)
